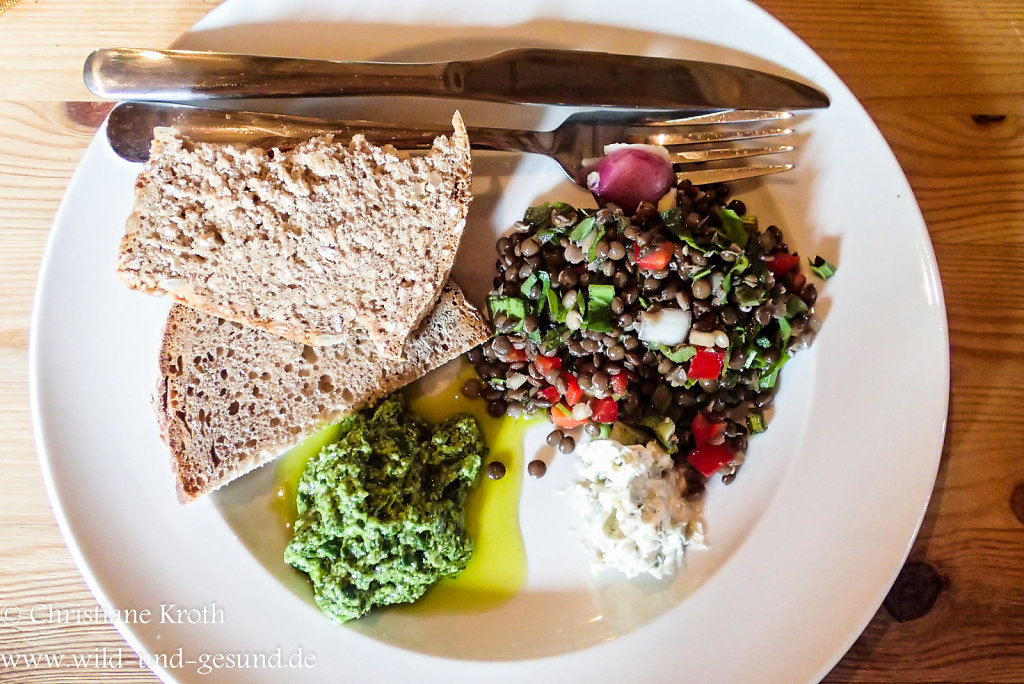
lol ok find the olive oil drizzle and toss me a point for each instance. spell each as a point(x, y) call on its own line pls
point(497, 569)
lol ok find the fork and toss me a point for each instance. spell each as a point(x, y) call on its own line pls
point(574, 145)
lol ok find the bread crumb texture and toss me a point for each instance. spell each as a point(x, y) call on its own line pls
point(307, 243)
point(232, 397)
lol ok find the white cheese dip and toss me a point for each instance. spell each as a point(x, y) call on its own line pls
point(634, 517)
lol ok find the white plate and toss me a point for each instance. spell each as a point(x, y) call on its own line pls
point(803, 546)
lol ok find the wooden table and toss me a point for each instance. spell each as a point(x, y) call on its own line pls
point(943, 79)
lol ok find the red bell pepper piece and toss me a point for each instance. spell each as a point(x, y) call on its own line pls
point(546, 364)
point(708, 458)
point(514, 356)
point(704, 430)
point(782, 262)
point(619, 385)
point(706, 365)
point(604, 410)
point(573, 393)
point(561, 415)
point(656, 259)
point(550, 393)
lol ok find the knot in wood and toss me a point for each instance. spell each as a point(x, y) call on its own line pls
point(914, 592)
point(988, 119)
point(1017, 502)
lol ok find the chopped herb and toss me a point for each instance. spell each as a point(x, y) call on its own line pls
point(602, 295)
point(598, 235)
point(562, 208)
point(732, 227)
point(527, 288)
point(545, 278)
point(756, 422)
point(545, 235)
point(741, 264)
point(701, 274)
point(726, 359)
point(555, 308)
point(745, 332)
point(748, 296)
point(795, 306)
point(581, 306)
point(582, 229)
point(665, 430)
point(512, 307)
point(673, 220)
point(823, 269)
point(555, 337)
point(538, 215)
point(678, 354)
point(768, 380)
point(540, 218)
point(785, 330)
point(599, 307)
point(702, 249)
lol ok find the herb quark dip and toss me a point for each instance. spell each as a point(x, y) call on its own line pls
point(381, 511)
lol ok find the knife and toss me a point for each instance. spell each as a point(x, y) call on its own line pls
point(523, 76)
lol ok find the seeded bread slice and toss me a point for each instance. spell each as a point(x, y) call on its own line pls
point(305, 242)
point(230, 397)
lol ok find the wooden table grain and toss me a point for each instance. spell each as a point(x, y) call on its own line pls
point(944, 81)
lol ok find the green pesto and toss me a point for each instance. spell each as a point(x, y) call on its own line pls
point(381, 512)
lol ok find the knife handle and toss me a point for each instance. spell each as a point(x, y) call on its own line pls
point(180, 75)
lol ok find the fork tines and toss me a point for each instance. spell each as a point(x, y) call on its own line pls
point(723, 153)
point(702, 136)
point(729, 116)
point(706, 176)
point(701, 129)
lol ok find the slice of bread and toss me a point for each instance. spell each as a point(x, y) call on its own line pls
point(306, 242)
point(231, 397)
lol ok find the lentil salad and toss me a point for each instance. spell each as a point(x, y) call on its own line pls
point(672, 322)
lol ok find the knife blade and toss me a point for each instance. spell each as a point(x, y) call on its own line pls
point(523, 76)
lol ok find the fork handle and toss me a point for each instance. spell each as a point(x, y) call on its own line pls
point(130, 130)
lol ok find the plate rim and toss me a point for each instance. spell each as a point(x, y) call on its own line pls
point(85, 567)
